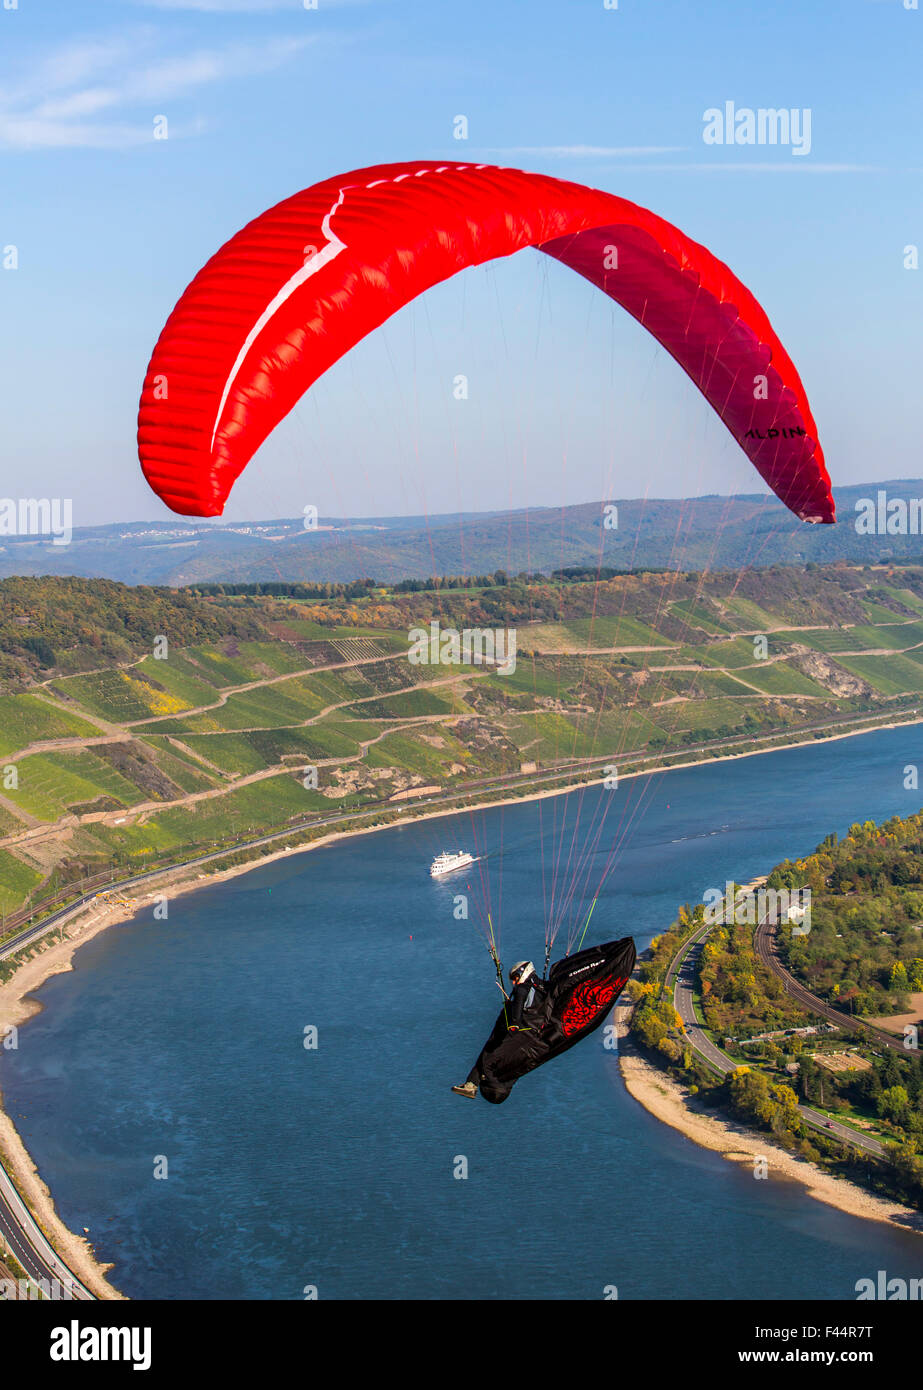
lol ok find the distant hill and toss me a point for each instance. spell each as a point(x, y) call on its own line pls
point(691, 534)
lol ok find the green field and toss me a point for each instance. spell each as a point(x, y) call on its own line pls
point(551, 737)
point(699, 715)
point(579, 634)
point(751, 615)
point(878, 613)
point(412, 703)
point(734, 654)
point(189, 774)
point(248, 811)
point(889, 675)
point(17, 880)
point(9, 823)
point(239, 754)
point(26, 719)
point(250, 661)
point(120, 696)
point(289, 702)
point(778, 678)
point(897, 636)
point(697, 615)
point(620, 631)
point(308, 630)
point(906, 597)
point(403, 750)
point(862, 638)
point(711, 684)
point(186, 679)
point(51, 783)
point(179, 679)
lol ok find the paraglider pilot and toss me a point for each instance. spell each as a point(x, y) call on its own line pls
point(527, 1008)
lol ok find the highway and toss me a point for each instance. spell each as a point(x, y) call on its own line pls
point(26, 1242)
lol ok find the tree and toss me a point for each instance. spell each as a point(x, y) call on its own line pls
point(894, 1104)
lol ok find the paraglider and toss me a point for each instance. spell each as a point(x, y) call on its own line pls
point(305, 281)
point(544, 1018)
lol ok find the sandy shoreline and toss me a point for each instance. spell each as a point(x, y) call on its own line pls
point(671, 1103)
point(649, 1087)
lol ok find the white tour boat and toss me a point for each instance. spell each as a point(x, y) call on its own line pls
point(447, 863)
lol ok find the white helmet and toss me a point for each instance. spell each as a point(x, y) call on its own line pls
point(521, 971)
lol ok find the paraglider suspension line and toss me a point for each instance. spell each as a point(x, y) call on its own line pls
point(492, 947)
point(587, 922)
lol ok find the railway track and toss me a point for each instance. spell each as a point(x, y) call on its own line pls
point(765, 944)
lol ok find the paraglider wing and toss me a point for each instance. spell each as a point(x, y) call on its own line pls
point(305, 281)
point(582, 990)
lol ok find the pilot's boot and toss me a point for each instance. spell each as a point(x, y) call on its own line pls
point(469, 1089)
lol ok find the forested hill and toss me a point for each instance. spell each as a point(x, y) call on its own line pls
point(58, 626)
point(864, 952)
point(696, 533)
point(50, 626)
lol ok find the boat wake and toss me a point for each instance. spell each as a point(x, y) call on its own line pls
point(702, 835)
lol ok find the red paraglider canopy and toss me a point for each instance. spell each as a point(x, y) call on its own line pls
point(301, 284)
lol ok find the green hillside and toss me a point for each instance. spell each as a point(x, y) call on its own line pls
point(173, 723)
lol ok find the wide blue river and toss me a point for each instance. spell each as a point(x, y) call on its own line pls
point(178, 1047)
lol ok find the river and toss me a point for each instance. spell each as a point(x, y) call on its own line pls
point(169, 1100)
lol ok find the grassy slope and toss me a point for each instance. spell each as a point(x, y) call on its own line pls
point(554, 707)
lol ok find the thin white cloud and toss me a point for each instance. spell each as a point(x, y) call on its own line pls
point(86, 103)
point(72, 66)
point(84, 59)
point(125, 77)
point(33, 133)
point(173, 76)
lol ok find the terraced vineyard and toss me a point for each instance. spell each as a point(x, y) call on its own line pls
point(145, 751)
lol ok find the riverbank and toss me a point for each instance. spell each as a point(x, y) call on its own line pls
point(17, 1002)
point(673, 1105)
point(16, 1008)
point(184, 879)
point(668, 761)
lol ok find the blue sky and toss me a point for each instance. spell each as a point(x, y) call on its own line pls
point(569, 400)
